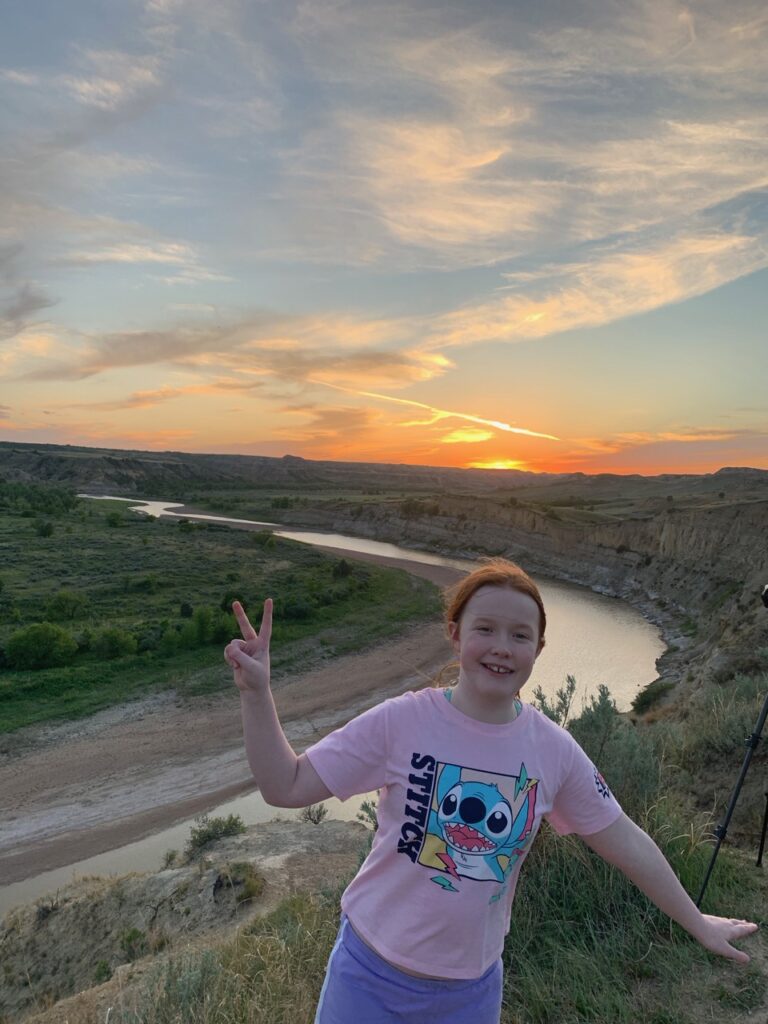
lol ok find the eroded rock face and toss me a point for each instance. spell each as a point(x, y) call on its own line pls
point(697, 572)
point(90, 930)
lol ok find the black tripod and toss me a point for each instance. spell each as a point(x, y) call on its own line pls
point(722, 829)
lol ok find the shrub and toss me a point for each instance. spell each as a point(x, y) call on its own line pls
point(66, 605)
point(298, 609)
point(113, 519)
point(263, 539)
point(560, 710)
point(621, 752)
point(650, 695)
point(203, 623)
point(368, 813)
point(44, 528)
point(169, 641)
point(314, 814)
point(170, 857)
point(102, 973)
point(133, 943)
point(43, 645)
point(113, 642)
point(243, 879)
point(341, 569)
point(208, 829)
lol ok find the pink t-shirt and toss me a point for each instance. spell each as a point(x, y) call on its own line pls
point(460, 804)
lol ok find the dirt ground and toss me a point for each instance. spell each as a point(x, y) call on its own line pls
point(72, 791)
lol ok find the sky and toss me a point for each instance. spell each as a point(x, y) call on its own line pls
point(440, 232)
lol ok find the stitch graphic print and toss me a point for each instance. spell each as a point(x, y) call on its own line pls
point(469, 824)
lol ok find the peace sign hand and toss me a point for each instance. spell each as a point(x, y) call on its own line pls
point(249, 657)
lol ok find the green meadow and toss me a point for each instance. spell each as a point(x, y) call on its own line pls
point(99, 605)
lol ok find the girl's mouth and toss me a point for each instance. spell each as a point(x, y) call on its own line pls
point(498, 670)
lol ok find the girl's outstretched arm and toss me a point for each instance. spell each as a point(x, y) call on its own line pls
point(284, 779)
point(634, 852)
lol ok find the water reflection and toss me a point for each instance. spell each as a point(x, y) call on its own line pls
point(147, 854)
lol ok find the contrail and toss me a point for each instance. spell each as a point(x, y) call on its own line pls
point(439, 414)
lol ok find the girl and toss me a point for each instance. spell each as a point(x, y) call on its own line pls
point(465, 774)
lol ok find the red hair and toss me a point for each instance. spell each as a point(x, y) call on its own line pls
point(494, 572)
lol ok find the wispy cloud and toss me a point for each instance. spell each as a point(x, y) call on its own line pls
point(611, 286)
point(111, 78)
point(436, 415)
point(296, 349)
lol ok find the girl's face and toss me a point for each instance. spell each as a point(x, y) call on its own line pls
point(497, 641)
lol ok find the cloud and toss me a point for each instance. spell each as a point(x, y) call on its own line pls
point(613, 285)
point(146, 399)
point(112, 78)
point(514, 134)
point(168, 252)
point(291, 348)
point(628, 441)
point(19, 299)
point(177, 254)
point(436, 415)
point(5, 412)
point(336, 429)
point(19, 77)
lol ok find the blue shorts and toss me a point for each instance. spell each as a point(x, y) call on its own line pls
point(361, 987)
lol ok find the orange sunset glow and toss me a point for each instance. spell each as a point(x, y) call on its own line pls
point(503, 237)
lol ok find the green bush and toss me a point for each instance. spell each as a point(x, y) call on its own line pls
point(208, 830)
point(133, 943)
point(113, 642)
point(650, 695)
point(66, 605)
point(43, 645)
point(102, 973)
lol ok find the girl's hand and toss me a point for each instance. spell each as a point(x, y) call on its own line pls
point(249, 657)
point(717, 933)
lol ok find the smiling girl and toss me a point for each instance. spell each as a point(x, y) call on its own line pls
point(466, 774)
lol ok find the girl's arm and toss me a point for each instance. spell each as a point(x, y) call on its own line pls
point(633, 851)
point(284, 779)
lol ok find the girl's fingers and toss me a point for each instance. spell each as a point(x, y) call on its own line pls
point(235, 652)
point(265, 632)
point(249, 633)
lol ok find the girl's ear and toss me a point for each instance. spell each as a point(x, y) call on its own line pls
point(453, 633)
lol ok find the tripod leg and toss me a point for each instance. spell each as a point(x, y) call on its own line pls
point(762, 834)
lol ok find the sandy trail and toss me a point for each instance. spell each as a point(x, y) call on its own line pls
point(71, 791)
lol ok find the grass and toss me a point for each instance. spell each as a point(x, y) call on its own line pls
point(166, 588)
point(584, 947)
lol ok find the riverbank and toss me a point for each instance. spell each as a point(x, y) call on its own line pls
point(75, 790)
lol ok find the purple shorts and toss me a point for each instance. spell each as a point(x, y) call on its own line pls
point(360, 986)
